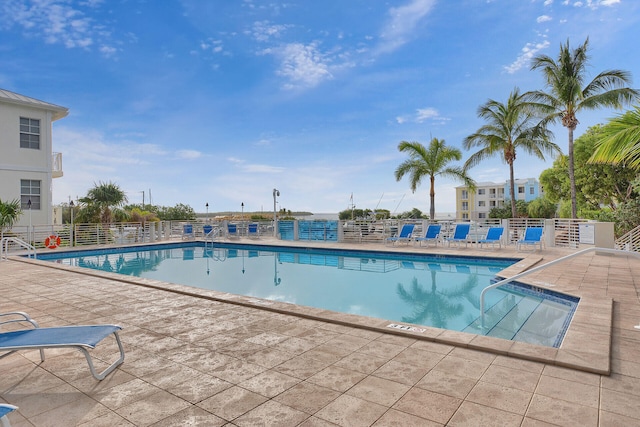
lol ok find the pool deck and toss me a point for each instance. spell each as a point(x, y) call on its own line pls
point(196, 357)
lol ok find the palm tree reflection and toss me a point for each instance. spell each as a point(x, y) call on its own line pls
point(435, 307)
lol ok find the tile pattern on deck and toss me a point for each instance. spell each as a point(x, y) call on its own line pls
point(192, 361)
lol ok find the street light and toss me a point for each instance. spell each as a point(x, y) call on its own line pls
point(71, 231)
point(207, 216)
point(242, 211)
point(276, 193)
point(29, 230)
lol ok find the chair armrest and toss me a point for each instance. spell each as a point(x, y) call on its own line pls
point(22, 317)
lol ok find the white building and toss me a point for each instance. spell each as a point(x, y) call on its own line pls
point(476, 205)
point(27, 161)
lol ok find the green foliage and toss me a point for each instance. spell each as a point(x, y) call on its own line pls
point(348, 214)
point(541, 208)
point(627, 217)
point(505, 212)
point(414, 213)
point(620, 141)
point(9, 213)
point(598, 184)
point(139, 215)
point(103, 204)
point(179, 212)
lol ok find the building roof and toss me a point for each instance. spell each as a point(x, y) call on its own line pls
point(15, 98)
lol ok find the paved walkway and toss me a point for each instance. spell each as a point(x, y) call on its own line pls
point(195, 361)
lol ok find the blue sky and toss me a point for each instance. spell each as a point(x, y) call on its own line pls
point(220, 101)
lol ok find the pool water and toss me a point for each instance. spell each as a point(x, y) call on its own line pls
point(423, 290)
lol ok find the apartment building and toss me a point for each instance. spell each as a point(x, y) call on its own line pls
point(27, 161)
point(475, 205)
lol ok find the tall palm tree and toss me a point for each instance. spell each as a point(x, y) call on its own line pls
point(620, 141)
point(568, 94)
point(510, 127)
point(430, 162)
point(101, 201)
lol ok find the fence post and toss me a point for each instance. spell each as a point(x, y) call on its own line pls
point(550, 233)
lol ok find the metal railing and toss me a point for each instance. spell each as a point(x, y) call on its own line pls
point(6, 242)
point(542, 267)
point(630, 241)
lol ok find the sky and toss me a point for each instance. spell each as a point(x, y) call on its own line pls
point(221, 101)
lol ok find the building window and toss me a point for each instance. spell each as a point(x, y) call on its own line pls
point(29, 190)
point(481, 204)
point(520, 190)
point(482, 215)
point(465, 216)
point(481, 191)
point(532, 190)
point(465, 206)
point(492, 203)
point(464, 194)
point(29, 133)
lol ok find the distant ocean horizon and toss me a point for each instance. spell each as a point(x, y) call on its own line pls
point(334, 216)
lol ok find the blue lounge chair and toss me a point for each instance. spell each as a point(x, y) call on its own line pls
point(405, 234)
point(78, 337)
point(253, 232)
point(532, 237)
point(494, 235)
point(232, 231)
point(6, 409)
point(206, 229)
point(460, 235)
point(187, 231)
point(432, 235)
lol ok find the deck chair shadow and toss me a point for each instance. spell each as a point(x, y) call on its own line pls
point(6, 409)
point(253, 231)
point(404, 236)
point(532, 237)
point(431, 235)
point(493, 237)
point(232, 231)
point(460, 235)
point(81, 338)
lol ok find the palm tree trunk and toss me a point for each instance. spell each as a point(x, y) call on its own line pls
point(432, 197)
point(572, 177)
point(512, 191)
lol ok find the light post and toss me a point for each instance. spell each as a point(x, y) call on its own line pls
point(71, 230)
point(276, 193)
point(29, 230)
point(242, 211)
point(207, 216)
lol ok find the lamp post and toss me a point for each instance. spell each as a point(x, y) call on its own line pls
point(71, 230)
point(207, 216)
point(29, 230)
point(276, 193)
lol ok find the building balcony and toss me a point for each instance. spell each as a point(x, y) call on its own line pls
point(56, 165)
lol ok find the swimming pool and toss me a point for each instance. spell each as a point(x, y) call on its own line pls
point(427, 290)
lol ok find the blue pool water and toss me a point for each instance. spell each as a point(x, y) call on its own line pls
point(429, 290)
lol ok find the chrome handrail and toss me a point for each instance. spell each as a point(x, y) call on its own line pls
point(542, 267)
point(4, 247)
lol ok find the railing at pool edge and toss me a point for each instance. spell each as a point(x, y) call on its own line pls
point(542, 267)
point(4, 247)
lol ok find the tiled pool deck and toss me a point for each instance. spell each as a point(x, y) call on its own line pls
point(203, 358)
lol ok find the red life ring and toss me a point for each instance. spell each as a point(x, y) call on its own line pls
point(52, 241)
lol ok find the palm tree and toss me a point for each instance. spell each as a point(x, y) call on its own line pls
point(568, 94)
point(620, 141)
point(510, 127)
point(9, 214)
point(430, 162)
point(100, 202)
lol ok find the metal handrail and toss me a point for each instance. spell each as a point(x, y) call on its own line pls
point(4, 247)
point(542, 267)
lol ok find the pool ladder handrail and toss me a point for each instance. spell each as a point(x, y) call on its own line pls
point(4, 247)
point(542, 267)
point(215, 232)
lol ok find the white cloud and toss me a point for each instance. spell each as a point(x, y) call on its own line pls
point(421, 115)
point(402, 23)
point(188, 154)
point(264, 31)
point(304, 66)
point(55, 22)
point(528, 52)
point(543, 18)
